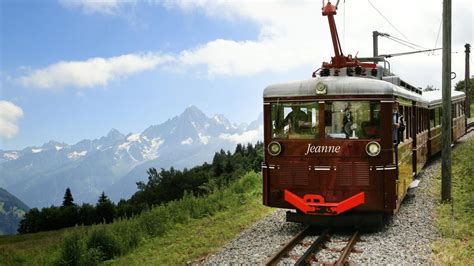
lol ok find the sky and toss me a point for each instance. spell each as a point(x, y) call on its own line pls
point(74, 69)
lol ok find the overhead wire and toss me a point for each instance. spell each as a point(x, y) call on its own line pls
point(437, 36)
point(402, 43)
point(413, 44)
point(439, 31)
point(344, 25)
point(386, 19)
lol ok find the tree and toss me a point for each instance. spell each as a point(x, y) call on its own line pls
point(431, 88)
point(460, 87)
point(105, 209)
point(68, 200)
point(87, 214)
point(239, 149)
point(217, 166)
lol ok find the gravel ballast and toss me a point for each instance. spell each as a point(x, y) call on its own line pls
point(405, 239)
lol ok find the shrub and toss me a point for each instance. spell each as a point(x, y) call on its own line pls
point(107, 241)
point(103, 244)
point(72, 251)
point(128, 232)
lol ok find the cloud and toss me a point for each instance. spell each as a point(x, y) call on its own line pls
point(105, 7)
point(92, 72)
point(294, 34)
point(250, 136)
point(9, 115)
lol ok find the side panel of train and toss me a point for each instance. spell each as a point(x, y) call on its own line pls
point(303, 169)
point(425, 124)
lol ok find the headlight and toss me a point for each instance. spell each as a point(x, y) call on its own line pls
point(274, 148)
point(372, 148)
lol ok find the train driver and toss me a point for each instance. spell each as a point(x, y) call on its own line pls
point(296, 120)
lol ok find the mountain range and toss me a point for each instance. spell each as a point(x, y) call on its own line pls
point(12, 210)
point(115, 162)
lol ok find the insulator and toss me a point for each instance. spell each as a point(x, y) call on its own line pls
point(373, 72)
point(350, 71)
point(325, 72)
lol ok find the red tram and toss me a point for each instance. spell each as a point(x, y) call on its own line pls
point(344, 146)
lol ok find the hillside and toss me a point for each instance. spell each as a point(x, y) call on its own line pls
point(197, 225)
point(12, 210)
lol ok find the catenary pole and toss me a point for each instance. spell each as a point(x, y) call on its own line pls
point(467, 87)
point(375, 43)
point(446, 120)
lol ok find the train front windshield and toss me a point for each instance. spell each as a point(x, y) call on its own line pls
point(295, 121)
point(342, 120)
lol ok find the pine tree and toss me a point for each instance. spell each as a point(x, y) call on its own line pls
point(68, 200)
point(105, 209)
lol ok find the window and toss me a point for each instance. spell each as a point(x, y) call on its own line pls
point(408, 118)
point(295, 121)
point(419, 120)
point(352, 119)
point(440, 116)
point(437, 117)
point(432, 119)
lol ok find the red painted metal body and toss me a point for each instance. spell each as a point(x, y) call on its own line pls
point(315, 204)
point(339, 60)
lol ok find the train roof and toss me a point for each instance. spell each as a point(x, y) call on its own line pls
point(344, 85)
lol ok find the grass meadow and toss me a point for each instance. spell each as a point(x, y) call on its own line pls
point(178, 232)
point(455, 221)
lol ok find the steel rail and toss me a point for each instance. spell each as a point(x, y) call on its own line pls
point(347, 250)
point(286, 248)
point(469, 125)
point(304, 260)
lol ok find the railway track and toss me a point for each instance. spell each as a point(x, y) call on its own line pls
point(470, 126)
point(316, 246)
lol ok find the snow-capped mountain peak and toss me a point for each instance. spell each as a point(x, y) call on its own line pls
point(115, 162)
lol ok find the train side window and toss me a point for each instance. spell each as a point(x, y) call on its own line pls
point(432, 118)
point(417, 115)
point(407, 116)
point(437, 117)
point(440, 116)
point(428, 118)
point(295, 121)
point(401, 112)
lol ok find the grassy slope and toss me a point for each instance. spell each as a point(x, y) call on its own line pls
point(196, 239)
point(38, 249)
point(181, 242)
point(456, 245)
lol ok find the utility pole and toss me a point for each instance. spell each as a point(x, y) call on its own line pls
point(467, 87)
point(446, 121)
point(375, 41)
point(375, 34)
